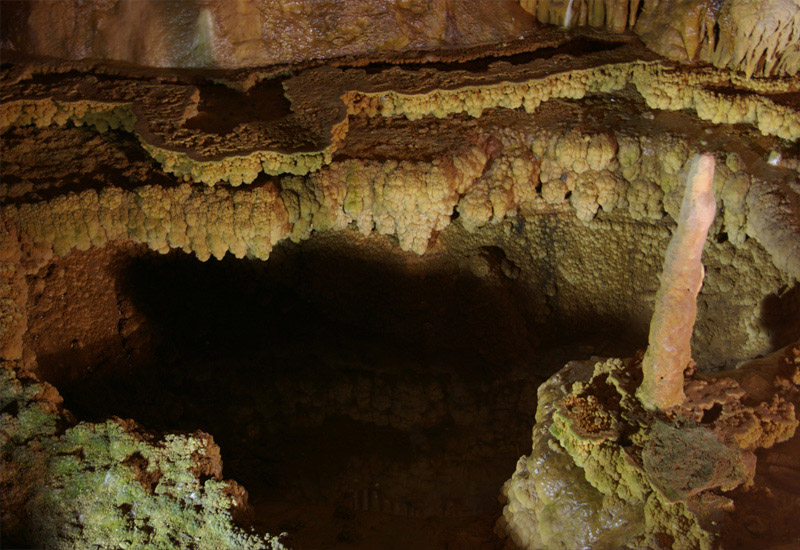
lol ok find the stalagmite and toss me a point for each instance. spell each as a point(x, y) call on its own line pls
point(669, 352)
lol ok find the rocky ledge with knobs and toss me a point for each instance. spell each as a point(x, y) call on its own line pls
point(646, 452)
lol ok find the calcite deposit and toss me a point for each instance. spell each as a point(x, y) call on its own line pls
point(669, 351)
point(750, 36)
point(339, 248)
point(652, 468)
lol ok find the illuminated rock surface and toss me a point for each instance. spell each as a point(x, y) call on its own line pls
point(247, 33)
point(760, 37)
point(620, 477)
point(346, 270)
point(654, 468)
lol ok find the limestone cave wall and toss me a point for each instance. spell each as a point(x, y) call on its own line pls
point(347, 250)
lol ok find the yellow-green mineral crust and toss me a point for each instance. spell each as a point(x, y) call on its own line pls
point(607, 473)
point(110, 484)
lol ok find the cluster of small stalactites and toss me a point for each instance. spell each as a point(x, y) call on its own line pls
point(756, 37)
point(587, 173)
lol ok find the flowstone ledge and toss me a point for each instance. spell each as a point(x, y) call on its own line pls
point(304, 120)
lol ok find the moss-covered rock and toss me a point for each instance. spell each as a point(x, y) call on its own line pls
point(110, 484)
point(607, 473)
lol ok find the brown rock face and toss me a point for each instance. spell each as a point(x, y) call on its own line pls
point(247, 33)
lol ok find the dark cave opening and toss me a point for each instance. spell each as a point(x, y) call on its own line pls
point(331, 382)
point(364, 396)
point(780, 314)
point(222, 109)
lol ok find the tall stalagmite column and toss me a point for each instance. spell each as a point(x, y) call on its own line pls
point(669, 349)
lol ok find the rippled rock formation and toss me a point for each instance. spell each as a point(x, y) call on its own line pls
point(751, 36)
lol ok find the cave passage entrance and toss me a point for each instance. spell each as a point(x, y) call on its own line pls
point(359, 400)
point(364, 396)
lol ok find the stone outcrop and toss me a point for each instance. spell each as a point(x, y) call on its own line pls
point(599, 459)
point(111, 484)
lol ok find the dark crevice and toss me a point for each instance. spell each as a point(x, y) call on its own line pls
point(577, 47)
point(222, 109)
point(639, 10)
point(780, 315)
point(711, 415)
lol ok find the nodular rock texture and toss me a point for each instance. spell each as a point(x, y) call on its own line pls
point(756, 37)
